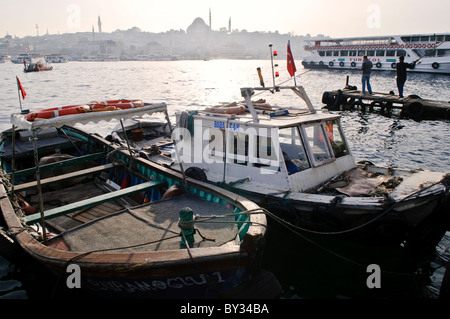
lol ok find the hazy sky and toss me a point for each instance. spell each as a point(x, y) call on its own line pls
point(336, 18)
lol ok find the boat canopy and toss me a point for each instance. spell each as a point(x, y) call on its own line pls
point(20, 120)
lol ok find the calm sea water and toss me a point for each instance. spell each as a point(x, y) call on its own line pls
point(305, 265)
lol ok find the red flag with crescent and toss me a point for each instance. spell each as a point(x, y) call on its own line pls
point(290, 60)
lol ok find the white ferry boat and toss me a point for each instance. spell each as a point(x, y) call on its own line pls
point(5, 59)
point(56, 58)
point(432, 51)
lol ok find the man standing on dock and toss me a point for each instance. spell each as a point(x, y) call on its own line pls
point(401, 73)
point(366, 70)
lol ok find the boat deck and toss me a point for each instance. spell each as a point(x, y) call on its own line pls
point(151, 227)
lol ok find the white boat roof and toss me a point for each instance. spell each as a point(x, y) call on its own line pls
point(257, 118)
point(21, 122)
point(375, 37)
point(295, 117)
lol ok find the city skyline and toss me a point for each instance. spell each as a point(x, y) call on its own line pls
point(333, 18)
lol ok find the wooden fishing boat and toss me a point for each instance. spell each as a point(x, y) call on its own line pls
point(37, 64)
point(296, 162)
point(120, 225)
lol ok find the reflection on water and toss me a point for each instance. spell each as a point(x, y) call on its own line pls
point(309, 266)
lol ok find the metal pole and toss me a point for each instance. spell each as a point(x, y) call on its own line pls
point(271, 62)
point(38, 182)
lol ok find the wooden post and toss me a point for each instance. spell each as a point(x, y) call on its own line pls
point(186, 224)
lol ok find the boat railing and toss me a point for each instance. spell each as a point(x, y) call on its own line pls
point(248, 92)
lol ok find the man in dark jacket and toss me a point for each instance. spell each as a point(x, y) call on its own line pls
point(366, 69)
point(401, 73)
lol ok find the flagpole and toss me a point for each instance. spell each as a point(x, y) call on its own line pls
point(18, 92)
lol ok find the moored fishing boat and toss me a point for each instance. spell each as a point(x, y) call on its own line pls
point(297, 163)
point(432, 51)
point(73, 200)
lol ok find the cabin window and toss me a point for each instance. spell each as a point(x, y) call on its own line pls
point(238, 150)
point(370, 53)
point(344, 53)
point(322, 53)
point(380, 53)
point(266, 155)
point(390, 53)
point(352, 53)
point(317, 143)
point(401, 52)
point(415, 39)
point(424, 38)
point(335, 53)
point(406, 39)
point(329, 53)
point(216, 144)
point(361, 53)
point(439, 38)
point(336, 139)
point(447, 38)
point(293, 150)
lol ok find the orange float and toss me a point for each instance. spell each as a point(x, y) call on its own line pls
point(235, 109)
point(121, 104)
point(58, 111)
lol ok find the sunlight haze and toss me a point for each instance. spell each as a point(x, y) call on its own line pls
point(332, 18)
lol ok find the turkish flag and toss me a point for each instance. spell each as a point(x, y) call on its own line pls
point(20, 87)
point(290, 60)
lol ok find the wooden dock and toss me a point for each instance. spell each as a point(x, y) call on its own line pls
point(412, 106)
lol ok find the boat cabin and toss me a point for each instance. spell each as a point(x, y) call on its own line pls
point(295, 149)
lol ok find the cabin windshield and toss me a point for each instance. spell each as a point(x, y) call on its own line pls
point(293, 150)
point(317, 143)
point(336, 139)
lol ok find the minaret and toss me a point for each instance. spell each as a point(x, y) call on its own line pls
point(229, 25)
point(210, 26)
point(99, 25)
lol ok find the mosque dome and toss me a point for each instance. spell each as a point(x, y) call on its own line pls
point(198, 27)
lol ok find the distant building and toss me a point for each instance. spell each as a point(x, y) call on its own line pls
point(99, 25)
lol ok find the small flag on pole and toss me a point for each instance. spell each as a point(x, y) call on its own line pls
point(290, 60)
point(20, 88)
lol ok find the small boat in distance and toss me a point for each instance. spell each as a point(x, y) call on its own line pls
point(131, 227)
point(431, 50)
point(37, 64)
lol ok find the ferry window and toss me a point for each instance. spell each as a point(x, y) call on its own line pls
point(390, 53)
point(433, 38)
point(344, 53)
point(361, 53)
point(370, 53)
point(335, 53)
point(430, 53)
point(415, 39)
point(439, 38)
point(317, 143)
point(321, 53)
point(424, 38)
point(447, 38)
point(443, 52)
point(329, 53)
point(337, 141)
point(419, 52)
point(406, 39)
point(352, 53)
point(401, 52)
point(293, 150)
point(380, 53)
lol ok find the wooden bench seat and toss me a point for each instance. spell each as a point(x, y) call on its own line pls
point(86, 203)
point(63, 177)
